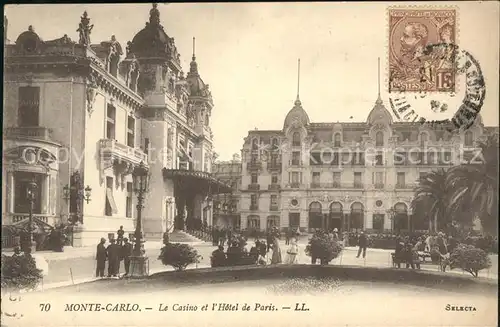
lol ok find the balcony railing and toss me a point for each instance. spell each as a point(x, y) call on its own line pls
point(38, 133)
point(274, 187)
point(294, 185)
point(316, 185)
point(273, 208)
point(336, 185)
point(17, 217)
point(254, 165)
point(122, 151)
point(379, 186)
point(274, 166)
point(295, 163)
point(254, 207)
point(253, 187)
point(358, 185)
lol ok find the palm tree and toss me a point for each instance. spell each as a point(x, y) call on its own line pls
point(432, 197)
point(476, 185)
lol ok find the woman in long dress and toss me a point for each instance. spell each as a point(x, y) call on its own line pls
point(276, 258)
point(292, 252)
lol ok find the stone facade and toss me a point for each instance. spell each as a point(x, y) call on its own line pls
point(349, 176)
point(226, 206)
point(96, 111)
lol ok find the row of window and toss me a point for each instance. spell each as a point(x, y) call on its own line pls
point(379, 140)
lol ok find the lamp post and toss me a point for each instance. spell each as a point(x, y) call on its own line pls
point(80, 193)
point(139, 259)
point(165, 235)
point(31, 195)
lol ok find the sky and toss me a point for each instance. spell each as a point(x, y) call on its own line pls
point(248, 52)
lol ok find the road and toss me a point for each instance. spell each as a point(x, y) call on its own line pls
point(84, 268)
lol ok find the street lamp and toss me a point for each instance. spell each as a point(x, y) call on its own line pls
point(165, 235)
point(31, 195)
point(80, 194)
point(139, 259)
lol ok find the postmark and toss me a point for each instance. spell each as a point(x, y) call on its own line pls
point(410, 32)
point(466, 69)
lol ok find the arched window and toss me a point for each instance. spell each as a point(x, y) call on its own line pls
point(315, 215)
point(275, 145)
point(423, 138)
point(336, 140)
point(296, 139)
point(400, 216)
point(468, 138)
point(357, 216)
point(379, 139)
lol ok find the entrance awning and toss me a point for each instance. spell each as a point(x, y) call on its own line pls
point(196, 182)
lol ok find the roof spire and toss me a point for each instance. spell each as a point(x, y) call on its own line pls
point(154, 15)
point(194, 48)
point(379, 99)
point(297, 101)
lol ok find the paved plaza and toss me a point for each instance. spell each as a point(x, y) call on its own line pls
point(77, 265)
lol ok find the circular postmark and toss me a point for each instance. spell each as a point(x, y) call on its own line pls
point(432, 108)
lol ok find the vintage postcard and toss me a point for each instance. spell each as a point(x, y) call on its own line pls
point(250, 164)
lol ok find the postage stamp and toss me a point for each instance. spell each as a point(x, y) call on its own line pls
point(410, 68)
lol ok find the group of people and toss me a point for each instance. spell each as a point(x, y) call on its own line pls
point(260, 253)
point(117, 251)
point(437, 247)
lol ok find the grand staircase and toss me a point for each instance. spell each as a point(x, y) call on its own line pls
point(178, 236)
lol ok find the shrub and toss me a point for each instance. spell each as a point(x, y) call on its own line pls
point(178, 255)
point(20, 272)
point(322, 247)
point(470, 259)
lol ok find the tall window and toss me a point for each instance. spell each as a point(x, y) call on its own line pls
point(316, 178)
point(379, 139)
point(468, 139)
point(401, 179)
point(336, 140)
point(131, 132)
point(295, 158)
point(110, 122)
point(129, 201)
point(336, 179)
point(379, 180)
point(275, 145)
point(423, 139)
point(378, 222)
point(254, 179)
point(255, 144)
point(253, 200)
point(274, 179)
point(28, 110)
point(294, 219)
point(21, 182)
point(379, 159)
point(358, 183)
point(296, 139)
point(295, 178)
point(274, 201)
point(110, 207)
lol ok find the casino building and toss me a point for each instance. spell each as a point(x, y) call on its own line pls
point(346, 175)
point(80, 116)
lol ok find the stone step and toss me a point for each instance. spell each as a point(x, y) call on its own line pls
point(182, 237)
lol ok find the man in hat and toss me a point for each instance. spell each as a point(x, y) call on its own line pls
point(113, 251)
point(120, 233)
point(100, 256)
point(335, 234)
point(363, 244)
point(127, 252)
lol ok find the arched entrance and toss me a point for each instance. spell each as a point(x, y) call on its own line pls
point(315, 215)
point(400, 217)
point(357, 217)
point(273, 221)
point(336, 214)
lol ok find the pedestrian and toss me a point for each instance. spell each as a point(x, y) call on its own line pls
point(363, 243)
point(126, 253)
point(276, 258)
point(287, 236)
point(254, 251)
point(292, 252)
point(218, 258)
point(335, 234)
point(215, 235)
point(113, 251)
point(269, 240)
point(222, 237)
point(120, 233)
point(17, 252)
point(100, 257)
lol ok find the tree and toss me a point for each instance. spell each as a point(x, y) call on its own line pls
point(469, 258)
point(433, 196)
point(475, 186)
point(322, 247)
point(178, 255)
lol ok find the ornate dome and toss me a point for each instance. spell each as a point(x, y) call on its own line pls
point(379, 113)
point(28, 41)
point(296, 114)
point(152, 41)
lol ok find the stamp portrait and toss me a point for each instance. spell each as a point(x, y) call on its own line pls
point(410, 32)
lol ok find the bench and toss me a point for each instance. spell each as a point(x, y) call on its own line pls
point(422, 261)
